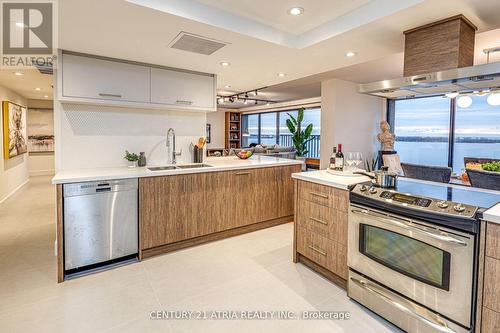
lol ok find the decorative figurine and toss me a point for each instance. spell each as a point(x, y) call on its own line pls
point(386, 138)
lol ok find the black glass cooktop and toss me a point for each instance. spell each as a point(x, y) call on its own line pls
point(459, 194)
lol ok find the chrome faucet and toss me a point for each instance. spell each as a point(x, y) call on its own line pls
point(171, 146)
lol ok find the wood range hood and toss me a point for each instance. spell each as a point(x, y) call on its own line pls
point(439, 59)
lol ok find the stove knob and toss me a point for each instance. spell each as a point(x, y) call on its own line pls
point(373, 190)
point(442, 204)
point(363, 188)
point(459, 208)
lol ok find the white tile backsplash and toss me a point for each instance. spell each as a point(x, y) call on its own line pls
point(97, 136)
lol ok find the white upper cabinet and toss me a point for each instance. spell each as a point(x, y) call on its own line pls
point(186, 89)
point(85, 77)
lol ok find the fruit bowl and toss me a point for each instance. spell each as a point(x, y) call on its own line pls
point(244, 154)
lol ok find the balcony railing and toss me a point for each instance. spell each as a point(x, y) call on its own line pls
point(285, 140)
point(312, 146)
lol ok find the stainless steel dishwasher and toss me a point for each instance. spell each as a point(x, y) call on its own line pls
point(100, 223)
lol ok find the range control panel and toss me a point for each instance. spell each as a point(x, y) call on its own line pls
point(413, 201)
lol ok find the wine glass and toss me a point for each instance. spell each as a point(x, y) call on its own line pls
point(349, 160)
point(358, 159)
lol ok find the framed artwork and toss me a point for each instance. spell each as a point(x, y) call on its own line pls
point(14, 130)
point(40, 130)
point(209, 133)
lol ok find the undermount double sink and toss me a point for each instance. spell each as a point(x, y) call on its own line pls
point(182, 166)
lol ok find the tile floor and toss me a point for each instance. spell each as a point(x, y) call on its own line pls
point(249, 272)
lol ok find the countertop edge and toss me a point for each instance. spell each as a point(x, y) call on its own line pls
point(304, 177)
point(143, 172)
point(493, 214)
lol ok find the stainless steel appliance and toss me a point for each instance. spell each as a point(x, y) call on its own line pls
point(460, 80)
point(100, 223)
point(412, 259)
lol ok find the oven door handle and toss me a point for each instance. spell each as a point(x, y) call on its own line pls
point(426, 317)
point(408, 225)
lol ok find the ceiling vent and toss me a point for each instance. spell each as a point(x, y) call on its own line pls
point(44, 69)
point(195, 43)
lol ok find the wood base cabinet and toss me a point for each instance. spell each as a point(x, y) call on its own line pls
point(181, 207)
point(321, 228)
point(491, 280)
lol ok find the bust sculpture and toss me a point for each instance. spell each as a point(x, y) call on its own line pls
point(386, 138)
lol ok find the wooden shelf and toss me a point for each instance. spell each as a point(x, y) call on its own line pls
point(233, 127)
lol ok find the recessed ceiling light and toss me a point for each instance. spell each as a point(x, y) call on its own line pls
point(350, 54)
point(227, 86)
point(20, 24)
point(281, 74)
point(464, 101)
point(296, 11)
point(37, 89)
point(225, 63)
point(18, 73)
point(46, 96)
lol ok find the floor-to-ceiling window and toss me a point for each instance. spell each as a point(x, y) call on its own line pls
point(250, 129)
point(271, 128)
point(442, 131)
point(422, 128)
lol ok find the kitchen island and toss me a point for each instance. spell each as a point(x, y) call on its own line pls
point(178, 208)
point(320, 230)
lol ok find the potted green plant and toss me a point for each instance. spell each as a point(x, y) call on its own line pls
point(132, 159)
point(300, 137)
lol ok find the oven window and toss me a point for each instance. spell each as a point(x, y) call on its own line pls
point(406, 255)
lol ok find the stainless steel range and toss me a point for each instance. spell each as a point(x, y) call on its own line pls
point(412, 259)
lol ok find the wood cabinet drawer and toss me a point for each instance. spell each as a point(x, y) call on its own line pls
point(317, 248)
point(493, 240)
point(490, 321)
point(323, 220)
point(319, 194)
point(491, 277)
point(324, 195)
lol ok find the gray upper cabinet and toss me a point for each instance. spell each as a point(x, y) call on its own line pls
point(191, 90)
point(84, 77)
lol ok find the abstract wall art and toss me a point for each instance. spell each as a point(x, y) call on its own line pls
point(40, 130)
point(14, 130)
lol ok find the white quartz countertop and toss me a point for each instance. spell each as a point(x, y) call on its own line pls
point(492, 214)
point(324, 178)
point(216, 163)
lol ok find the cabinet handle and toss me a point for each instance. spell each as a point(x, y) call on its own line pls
point(319, 195)
point(318, 220)
point(110, 95)
point(242, 173)
point(184, 184)
point(183, 102)
point(323, 253)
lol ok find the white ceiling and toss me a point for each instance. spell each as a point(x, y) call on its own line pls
point(25, 85)
point(120, 29)
point(275, 13)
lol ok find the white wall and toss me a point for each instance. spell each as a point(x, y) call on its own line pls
point(89, 136)
point(41, 163)
point(349, 118)
point(218, 122)
point(14, 171)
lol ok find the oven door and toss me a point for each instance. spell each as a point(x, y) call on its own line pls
point(430, 265)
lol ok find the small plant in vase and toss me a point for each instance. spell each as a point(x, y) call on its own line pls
point(132, 158)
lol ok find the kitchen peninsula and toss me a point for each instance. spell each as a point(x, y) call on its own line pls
point(195, 204)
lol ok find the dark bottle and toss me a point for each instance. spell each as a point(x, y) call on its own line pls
point(339, 159)
point(142, 159)
point(332, 159)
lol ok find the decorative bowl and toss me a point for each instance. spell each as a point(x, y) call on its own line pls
point(244, 154)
